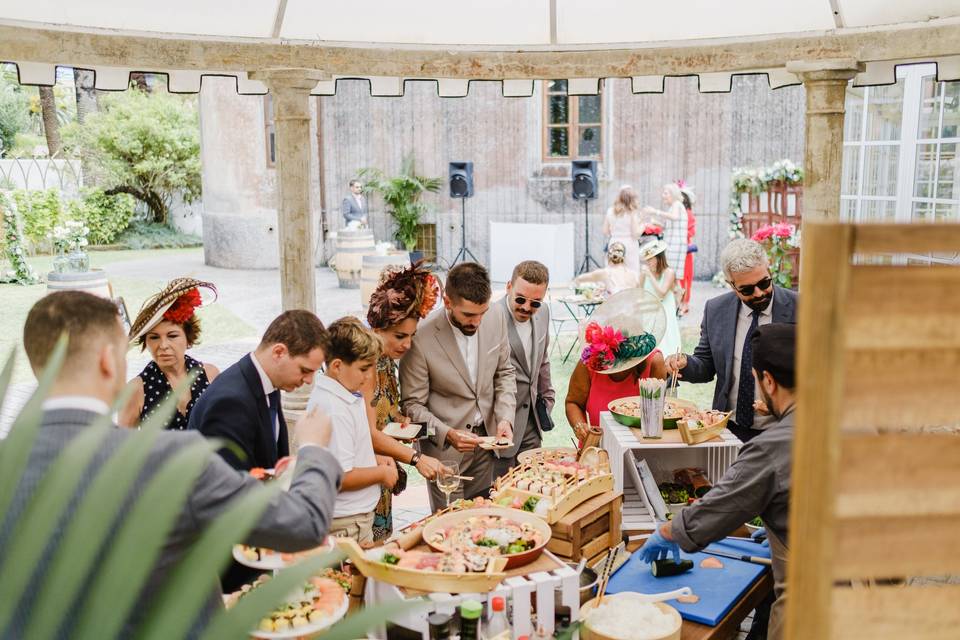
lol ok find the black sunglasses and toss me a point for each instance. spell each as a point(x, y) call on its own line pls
point(763, 285)
point(533, 303)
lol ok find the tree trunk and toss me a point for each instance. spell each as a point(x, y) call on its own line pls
point(51, 126)
point(86, 95)
point(87, 105)
point(154, 201)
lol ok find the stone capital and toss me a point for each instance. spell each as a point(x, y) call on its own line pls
point(838, 70)
point(293, 79)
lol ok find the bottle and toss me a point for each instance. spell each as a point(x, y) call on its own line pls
point(439, 626)
point(470, 612)
point(498, 621)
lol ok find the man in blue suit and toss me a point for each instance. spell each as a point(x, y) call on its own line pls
point(729, 321)
point(242, 405)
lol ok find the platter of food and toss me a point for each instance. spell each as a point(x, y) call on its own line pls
point(318, 604)
point(707, 425)
point(551, 485)
point(630, 616)
point(495, 443)
point(626, 411)
point(493, 532)
point(269, 560)
point(444, 571)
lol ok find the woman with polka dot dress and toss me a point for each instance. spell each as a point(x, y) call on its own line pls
point(167, 326)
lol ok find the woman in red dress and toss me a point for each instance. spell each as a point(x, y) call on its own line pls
point(621, 349)
point(687, 282)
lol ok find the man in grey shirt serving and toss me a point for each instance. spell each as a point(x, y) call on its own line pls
point(757, 483)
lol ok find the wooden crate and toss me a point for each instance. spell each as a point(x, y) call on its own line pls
point(589, 530)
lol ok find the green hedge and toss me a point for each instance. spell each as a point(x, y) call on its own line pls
point(106, 216)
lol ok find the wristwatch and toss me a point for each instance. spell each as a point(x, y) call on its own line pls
point(415, 458)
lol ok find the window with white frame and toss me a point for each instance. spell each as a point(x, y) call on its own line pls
point(900, 146)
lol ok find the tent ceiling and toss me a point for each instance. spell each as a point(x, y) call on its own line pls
point(390, 42)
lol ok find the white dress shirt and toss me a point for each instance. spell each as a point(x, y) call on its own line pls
point(469, 348)
point(743, 324)
point(82, 403)
point(268, 388)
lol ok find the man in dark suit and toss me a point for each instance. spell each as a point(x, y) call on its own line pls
point(90, 379)
point(354, 206)
point(528, 328)
point(242, 404)
point(729, 321)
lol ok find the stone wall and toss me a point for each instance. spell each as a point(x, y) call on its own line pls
point(649, 139)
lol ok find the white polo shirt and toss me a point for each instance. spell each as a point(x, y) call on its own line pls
point(350, 443)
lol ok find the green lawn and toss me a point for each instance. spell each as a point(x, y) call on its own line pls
point(219, 324)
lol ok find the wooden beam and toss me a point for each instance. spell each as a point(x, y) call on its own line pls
point(907, 238)
point(816, 450)
point(891, 547)
point(894, 613)
point(147, 51)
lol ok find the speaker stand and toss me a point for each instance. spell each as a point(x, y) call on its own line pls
point(587, 258)
point(464, 251)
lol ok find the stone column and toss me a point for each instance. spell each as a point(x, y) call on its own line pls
point(290, 89)
point(826, 84)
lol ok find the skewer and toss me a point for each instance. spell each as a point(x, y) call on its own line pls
point(468, 478)
point(605, 573)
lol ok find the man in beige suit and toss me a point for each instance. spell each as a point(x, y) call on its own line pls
point(457, 379)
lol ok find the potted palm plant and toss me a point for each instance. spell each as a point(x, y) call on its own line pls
point(401, 194)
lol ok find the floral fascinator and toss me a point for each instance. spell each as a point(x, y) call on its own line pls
point(623, 331)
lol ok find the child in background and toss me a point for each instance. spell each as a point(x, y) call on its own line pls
point(352, 353)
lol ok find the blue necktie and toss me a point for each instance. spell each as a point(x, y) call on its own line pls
point(274, 412)
point(746, 386)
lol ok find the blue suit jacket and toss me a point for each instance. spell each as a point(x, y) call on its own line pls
point(714, 354)
point(234, 408)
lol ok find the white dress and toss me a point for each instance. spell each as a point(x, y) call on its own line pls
point(621, 230)
point(675, 235)
point(671, 337)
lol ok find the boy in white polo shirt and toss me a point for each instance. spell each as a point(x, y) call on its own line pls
point(352, 352)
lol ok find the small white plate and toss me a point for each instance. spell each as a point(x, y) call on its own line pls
point(271, 560)
point(400, 431)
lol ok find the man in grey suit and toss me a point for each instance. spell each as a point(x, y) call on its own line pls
point(729, 321)
point(92, 376)
point(354, 206)
point(528, 328)
point(457, 379)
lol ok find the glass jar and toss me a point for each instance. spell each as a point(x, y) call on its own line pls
point(79, 261)
point(61, 263)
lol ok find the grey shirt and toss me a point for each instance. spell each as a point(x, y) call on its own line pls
point(757, 483)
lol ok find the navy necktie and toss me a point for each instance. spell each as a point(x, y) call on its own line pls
point(746, 386)
point(274, 412)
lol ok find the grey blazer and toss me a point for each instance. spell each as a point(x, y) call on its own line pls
point(295, 520)
point(713, 356)
point(351, 211)
point(533, 378)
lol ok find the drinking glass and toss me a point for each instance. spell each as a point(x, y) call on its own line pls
point(448, 479)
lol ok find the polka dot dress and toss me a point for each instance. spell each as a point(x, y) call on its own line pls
point(156, 388)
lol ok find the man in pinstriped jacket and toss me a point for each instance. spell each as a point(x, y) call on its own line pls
point(93, 374)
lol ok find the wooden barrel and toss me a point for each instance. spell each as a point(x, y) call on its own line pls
point(372, 265)
point(352, 245)
point(93, 281)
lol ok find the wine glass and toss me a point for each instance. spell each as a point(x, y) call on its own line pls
point(448, 479)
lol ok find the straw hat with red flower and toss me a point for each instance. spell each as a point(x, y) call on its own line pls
point(177, 302)
point(623, 331)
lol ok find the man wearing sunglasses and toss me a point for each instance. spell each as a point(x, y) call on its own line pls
point(527, 317)
point(729, 321)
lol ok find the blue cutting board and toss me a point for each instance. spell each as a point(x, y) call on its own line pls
point(718, 589)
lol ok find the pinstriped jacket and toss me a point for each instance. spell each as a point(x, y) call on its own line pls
point(295, 520)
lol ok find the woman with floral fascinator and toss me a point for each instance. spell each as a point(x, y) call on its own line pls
point(167, 326)
point(402, 298)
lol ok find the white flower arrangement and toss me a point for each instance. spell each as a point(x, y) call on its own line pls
point(71, 235)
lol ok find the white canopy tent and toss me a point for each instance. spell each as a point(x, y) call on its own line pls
point(389, 42)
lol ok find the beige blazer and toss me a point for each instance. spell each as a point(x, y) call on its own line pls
point(435, 386)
